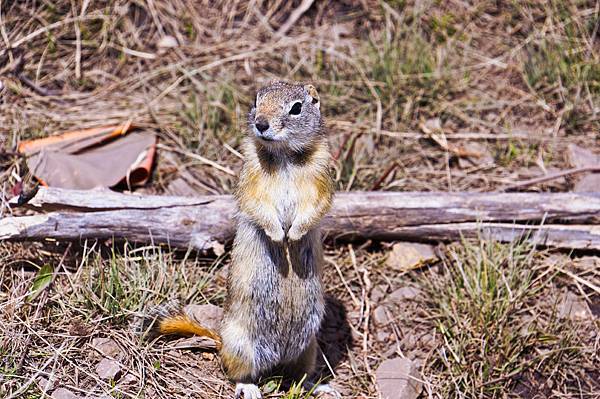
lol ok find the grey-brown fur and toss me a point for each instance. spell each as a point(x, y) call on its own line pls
point(275, 296)
point(283, 304)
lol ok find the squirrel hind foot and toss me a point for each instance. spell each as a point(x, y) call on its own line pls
point(247, 391)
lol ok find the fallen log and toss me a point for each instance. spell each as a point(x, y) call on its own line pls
point(563, 220)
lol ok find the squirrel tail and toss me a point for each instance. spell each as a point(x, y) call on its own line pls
point(171, 318)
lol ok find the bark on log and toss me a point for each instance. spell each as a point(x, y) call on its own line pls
point(564, 220)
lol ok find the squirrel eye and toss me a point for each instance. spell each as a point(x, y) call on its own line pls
point(296, 108)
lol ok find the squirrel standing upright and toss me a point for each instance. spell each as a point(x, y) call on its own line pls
point(275, 300)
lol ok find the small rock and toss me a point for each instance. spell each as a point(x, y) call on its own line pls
point(106, 346)
point(108, 369)
point(380, 316)
point(407, 256)
point(474, 154)
point(589, 183)
point(79, 329)
point(404, 293)
point(377, 293)
point(588, 263)
point(218, 248)
point(432, 125)
point(208, 315)
point(399, 378)
point(167, 42)
point(427, 341)
point(127, 379)
point(409, 342)
point(63, 393)
point(382, 336)
point(571, 307)
point(44, 384)
point(580, 158)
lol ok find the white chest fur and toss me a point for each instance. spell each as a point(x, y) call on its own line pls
point(287, 195)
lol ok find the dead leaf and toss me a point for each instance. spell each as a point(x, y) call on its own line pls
point(195, 342)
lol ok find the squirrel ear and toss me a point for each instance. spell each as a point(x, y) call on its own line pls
point(310, 89)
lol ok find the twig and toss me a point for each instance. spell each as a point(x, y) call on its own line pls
point(366, 286)
point(77, 41)
point(294, 16)
point(349, 125)
point(344, 282)
point(233, 151)
point(579, 279)
point(199, 158)
point(39, 90)
point(341, 149)
point(389, 170)
point(551, 176)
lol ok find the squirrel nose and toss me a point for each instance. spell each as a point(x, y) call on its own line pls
point(261, 124)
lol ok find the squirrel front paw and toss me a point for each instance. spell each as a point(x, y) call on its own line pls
point(295, 233)
point(275, 233)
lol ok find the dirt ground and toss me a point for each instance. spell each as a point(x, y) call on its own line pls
point(417, 96)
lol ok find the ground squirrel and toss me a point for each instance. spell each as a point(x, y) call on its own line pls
point(275, 299)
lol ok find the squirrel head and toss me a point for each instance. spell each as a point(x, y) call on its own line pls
point(286, 115)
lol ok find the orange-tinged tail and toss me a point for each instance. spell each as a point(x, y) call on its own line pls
point(171, 319)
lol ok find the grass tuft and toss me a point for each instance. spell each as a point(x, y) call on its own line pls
point(495, 334)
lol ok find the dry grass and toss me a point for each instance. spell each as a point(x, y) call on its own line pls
point(512, 84)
